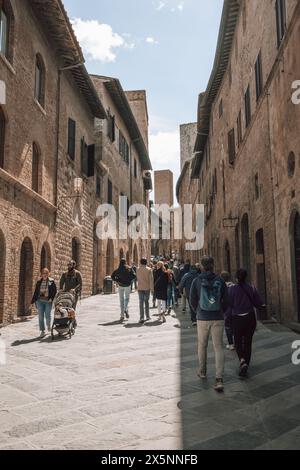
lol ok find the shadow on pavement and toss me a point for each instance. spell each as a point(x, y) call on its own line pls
point(113, 323)
point(26, 341)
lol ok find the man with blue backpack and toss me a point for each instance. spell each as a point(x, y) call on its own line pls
point(209, 298)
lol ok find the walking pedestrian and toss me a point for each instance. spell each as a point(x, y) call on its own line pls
point(124, 276)
point(71, 280)
point(185, 287)
point(243, 300)
point(171, 289)
point(185, 269)
point(134, 282)
point(209, 298)
point(44, 294)
point(161, 282)
point(153, 294)
point(145, 286)
point(228, 318)
point(176, 272)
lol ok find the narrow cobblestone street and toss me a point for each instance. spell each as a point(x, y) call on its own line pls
point(135, 387)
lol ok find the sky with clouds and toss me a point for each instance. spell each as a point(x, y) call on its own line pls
point(166, 47)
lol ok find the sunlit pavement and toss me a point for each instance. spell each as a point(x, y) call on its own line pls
point(128, 386)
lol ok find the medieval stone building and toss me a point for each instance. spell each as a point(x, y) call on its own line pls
point(123, 168)
point(247, 160)
point(50, 155)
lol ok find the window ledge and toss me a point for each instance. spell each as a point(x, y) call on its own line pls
point(10, 179)
point(40, 107)
point(7, 63)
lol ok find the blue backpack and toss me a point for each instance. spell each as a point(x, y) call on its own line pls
point(211, 294)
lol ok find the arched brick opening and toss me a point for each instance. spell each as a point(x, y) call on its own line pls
point(295, 229)
point(122, 256)
point(76, 251)
point(110, 258)
point(237, 247)
point(25, 277)
point(96, 266)
point(246, 254)
point(2, 274)
point(227, 257)
point(45, 257)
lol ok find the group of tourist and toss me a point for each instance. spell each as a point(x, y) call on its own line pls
point(46, 290)
point(215, 304)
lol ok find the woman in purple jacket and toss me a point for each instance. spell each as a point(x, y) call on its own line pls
point(243, 299)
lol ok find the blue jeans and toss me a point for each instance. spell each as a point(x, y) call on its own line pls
point(44, 309)
point(124, 294)
point(144, 296)
point(170, 300)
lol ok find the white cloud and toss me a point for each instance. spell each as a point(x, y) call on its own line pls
point(151, 40)
point(160, 6)
point(98, 40)
point(180, 6)
point(165, 152)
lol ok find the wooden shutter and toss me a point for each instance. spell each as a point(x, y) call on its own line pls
point(231, 147)
point(91, 160)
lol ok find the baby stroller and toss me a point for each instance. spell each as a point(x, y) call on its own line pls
point(64, 314)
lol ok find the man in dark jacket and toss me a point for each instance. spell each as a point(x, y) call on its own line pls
point(209, 298)
point(72, 281)
point(124, 276)
point(185, 287)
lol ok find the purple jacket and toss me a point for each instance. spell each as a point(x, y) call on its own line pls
point(243, 299)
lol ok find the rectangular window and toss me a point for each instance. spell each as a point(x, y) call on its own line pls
point(71, 138)
point(258, 77)
point(38, 83)
point(110, 192)
point(111, 127)
point(84, 157)
point(231, 147)
point(123, 148)
point(239, 129)
point(248, 107)
point(135, 168)
point(91, 160)
point(221, 110)
point(280, 7)
point(98, 186)
point(3, 33)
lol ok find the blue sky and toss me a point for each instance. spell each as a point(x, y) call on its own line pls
point(164, 46)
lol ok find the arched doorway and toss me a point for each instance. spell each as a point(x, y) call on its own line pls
point(110, 264)
point(2, 274)
point(96, 267)
point(122, 256)
point(296, 236)
point(237, 247)
point(76, 251)
point(25, 277)
point(45, 257)
point(246, 245)
point(227, 257)
point(127, 258)
point(261, 270)
point(135, 255)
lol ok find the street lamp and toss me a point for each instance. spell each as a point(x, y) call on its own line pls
point(78, 187)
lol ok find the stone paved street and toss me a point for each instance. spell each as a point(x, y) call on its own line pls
point(135, 387)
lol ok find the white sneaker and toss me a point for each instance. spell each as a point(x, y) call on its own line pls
point(43, 334)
